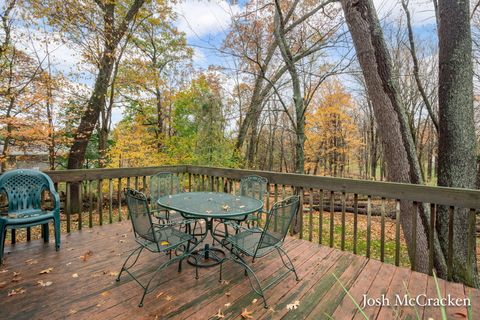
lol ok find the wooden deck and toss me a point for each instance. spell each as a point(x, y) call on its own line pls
point(83, 284)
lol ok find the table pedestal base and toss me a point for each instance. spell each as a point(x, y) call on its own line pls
point(207, 257)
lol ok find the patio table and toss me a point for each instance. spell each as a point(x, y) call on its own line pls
point(209, 206)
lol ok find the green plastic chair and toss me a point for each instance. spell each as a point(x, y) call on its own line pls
point(155, 238)
point(24, 190)
point(258, 242)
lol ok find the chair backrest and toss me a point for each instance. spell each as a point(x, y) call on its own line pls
point(163, 184)
point(140, 215)
point(253, 186)
point(279, 219)
point(24, 188)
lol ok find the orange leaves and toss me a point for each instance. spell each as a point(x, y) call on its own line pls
point(86, 255)
point(45, 271)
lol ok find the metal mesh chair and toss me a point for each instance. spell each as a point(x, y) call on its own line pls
point(164, 184)
point(24, 190)
point(258, 242)
point(254, 187)
point(155, 238)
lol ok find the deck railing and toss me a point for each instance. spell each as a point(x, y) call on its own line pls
point(355, 215)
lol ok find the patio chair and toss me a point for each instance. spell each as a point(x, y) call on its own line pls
point(163, 184)
point(25, 191)
point(153, 237)
point(252, 186)
point(258, 242)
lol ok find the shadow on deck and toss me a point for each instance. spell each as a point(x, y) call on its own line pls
point(82, 276)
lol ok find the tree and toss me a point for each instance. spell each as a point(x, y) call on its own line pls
point(395, 133)
point(457, 142)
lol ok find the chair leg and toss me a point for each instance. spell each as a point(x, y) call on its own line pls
point(128, 258)
point(250, 273)
point(45, 232)
point(56, 230)
point(290, 267)
point(3, 234)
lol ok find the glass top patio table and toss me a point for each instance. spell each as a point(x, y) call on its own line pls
point(217, 205)
point(209, 206)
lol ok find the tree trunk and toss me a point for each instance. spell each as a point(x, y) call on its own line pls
point(457, 144)
point(392, 125)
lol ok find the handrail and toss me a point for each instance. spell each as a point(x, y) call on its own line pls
point(465, 198)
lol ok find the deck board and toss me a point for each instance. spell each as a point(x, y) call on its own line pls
point(95, 294)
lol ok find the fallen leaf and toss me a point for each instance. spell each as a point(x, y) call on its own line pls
point(31, 261)
point(228, 294)
point(228, 304)
point(16, 274)
point(164, 243)
point(293, 306)
point(17, 279)
point(48, 270)
point(241, 207)
point(16, 291)
point(86, 255)
point(226, 207)
point(225, 282)
point(121, 241)
point(105, 293)
point(246, 314)
point(70, 249)
point(68, 263)
point(219, 314)
point(124, 235)
point(169, 298)
point(460, 315)
point(254, 301)
point(72, 311)
point(75, 275)
point(113, 273)
point(3, 271)
point(44, 284)
point(271, 310)
point(3, 284)
point(160, 294)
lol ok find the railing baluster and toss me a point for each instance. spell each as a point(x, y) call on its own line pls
point(90, 204)
point(144, 182)
point(300, 212)
point(355, 222)
point(136, 183)
point(397, 232)
point(320, 218)
point(431, 233)
point(128, 186)
point(343, 221)
point(68, 206)
point(110, 200)
point(14, 236)
point(451, 213)
point(369, 224)
point(414, 235)
point(332, 217)
point(29, 234)
point(189, 182)
point(471, 238)
point(119, 199)
point(382, 231)
point(310, 216)
point(80, 204)
point(100, 202)
point(275, 199)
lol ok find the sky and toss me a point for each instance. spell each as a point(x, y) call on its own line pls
point(206, 23)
